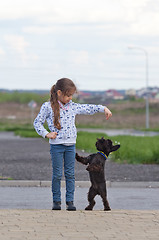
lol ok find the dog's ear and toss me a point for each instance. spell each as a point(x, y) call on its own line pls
point(115, 148)
point(99, 143)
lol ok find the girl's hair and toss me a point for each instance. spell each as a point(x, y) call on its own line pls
point(66, 86)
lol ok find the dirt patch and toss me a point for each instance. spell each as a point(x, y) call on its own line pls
point(125, 115)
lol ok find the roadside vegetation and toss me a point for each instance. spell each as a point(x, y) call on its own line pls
point(134, 150)
point(22, 97)
point(16, 116)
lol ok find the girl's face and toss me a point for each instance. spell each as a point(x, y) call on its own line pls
point(65, 98)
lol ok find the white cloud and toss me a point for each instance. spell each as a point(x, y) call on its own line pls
point(120, 16)
point(79, 37)
point(107, 18)
point(79, 57)
point(2, 52)
point(42, 29)
point(18, 9)
point(147, 24)
point(71, 11)
point(18, 44)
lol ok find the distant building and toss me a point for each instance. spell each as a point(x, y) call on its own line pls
point(130, 92)
point(141, 92)
point(114, 94)
point(152, 92)
point(82, 95)
point(157, 96)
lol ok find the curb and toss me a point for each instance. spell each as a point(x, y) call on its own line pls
point(81, 184)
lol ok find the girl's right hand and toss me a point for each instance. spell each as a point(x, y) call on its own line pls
point(51, 135)
point(108, 113)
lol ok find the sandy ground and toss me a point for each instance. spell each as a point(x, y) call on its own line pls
point(125, 115)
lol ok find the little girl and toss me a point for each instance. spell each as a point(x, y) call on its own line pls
point(60, 114)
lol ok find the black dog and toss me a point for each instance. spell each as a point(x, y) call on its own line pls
point(96, 163)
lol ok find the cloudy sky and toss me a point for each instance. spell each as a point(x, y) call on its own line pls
point(85, 40)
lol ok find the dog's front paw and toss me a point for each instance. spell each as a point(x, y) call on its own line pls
point(81, 159)
point(77, 156)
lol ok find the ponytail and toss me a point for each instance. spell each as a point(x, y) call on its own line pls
point(55, 106)
point(65, 85)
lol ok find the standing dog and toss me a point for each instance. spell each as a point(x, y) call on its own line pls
point(96, 163)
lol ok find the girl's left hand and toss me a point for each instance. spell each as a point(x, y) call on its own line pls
point(107, 112)
point(51, 135)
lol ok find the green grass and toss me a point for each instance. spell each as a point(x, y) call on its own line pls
point(151, 129)
point(144, 150)
point(26, 133)
point(22, 97)
point(135, 150)
point(22, 130)
point(6, 126)
point(90, 125)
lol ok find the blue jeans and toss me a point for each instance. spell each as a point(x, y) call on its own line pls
point(62, 155)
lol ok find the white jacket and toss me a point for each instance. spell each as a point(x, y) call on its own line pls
point(68, 133)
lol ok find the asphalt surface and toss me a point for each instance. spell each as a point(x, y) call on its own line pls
point(41, 198)
point(29, 159)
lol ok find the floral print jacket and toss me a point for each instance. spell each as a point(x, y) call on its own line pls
point(68, 133)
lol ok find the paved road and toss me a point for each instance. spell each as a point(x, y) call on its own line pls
point(115, 132)
point(41, 198)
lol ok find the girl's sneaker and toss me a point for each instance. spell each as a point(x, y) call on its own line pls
point(56, 205)
point(70, 206)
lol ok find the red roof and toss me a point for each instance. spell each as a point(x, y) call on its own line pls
point(113, 93)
